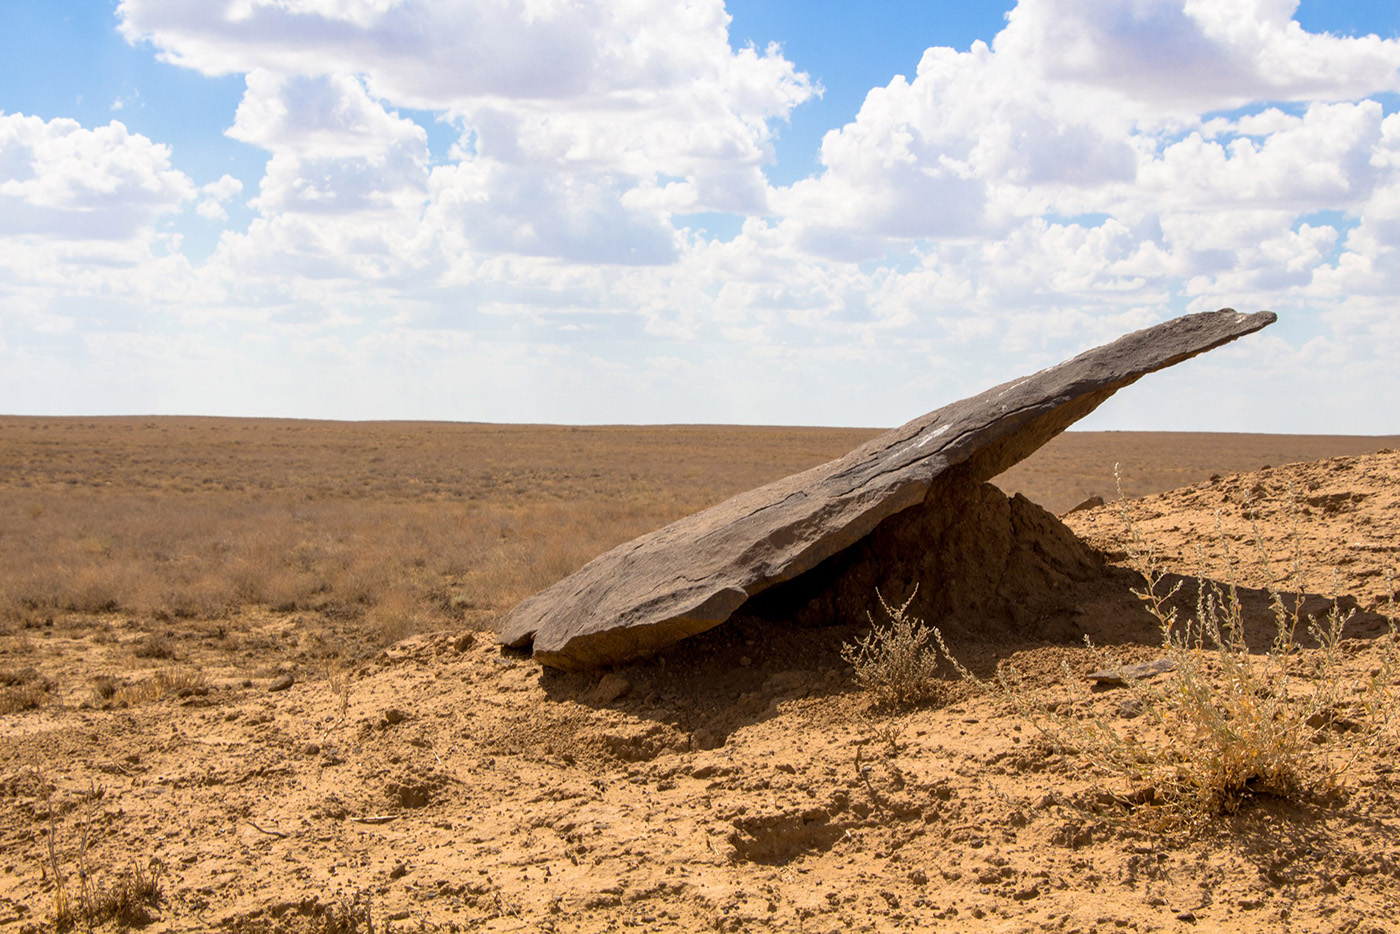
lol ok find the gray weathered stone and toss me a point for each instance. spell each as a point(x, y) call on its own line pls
point(691, 575)
point(1142, 671)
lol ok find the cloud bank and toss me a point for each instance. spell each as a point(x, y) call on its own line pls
point(1098, 167)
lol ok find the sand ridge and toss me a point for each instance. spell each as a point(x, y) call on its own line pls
point(1341, 514)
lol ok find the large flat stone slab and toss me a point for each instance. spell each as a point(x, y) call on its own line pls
point(691, 575)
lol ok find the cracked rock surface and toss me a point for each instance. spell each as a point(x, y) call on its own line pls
point(694, 574)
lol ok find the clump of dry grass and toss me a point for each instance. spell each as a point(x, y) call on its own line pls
point(895, 661)
point(399, 614)
point(158, 645)
point(347, 914)
point(170, 683)
point(104, 687)
point(129, 897)
point(340, 680)
point(25, 689)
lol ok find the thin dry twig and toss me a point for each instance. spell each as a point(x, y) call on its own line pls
point(864, 772)
point(270, 833)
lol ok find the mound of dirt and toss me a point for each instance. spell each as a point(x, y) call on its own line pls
point(1329, 528)
point(976, 563)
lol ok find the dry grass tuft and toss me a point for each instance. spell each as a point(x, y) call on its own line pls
point(129, 897)
point(27, 695)
point(399, 613)
point(105, 687)
point(895, 661)
point(352, 914)
point(163, 684)
point(158, 645)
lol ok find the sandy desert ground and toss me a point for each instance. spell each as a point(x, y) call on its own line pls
point(223, 712)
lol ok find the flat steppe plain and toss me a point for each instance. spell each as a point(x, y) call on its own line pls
point(160, 576)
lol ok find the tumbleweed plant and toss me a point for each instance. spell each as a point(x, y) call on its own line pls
point(895, 660)
point(1228, 722)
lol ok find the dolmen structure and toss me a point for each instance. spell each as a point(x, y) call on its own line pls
point(912, 505)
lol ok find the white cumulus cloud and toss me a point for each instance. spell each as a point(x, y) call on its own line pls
point(216, 195)
point(61, 180)
point(1195, 56)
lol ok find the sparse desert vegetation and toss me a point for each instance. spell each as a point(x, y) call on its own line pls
point(897, 659)
point(384, 530)
point(1225, 714)
point(207, 719)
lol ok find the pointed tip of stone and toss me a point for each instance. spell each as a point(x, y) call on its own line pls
point(1261, 319)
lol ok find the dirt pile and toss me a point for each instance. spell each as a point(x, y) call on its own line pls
point(985, 566)
point(1328, 528)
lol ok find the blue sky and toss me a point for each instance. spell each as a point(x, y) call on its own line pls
point(748, 212)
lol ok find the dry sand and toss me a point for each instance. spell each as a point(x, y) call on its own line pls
point(738, 782)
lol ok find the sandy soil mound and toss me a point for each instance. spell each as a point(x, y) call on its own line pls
point(1329, 529)
point(737, 782)
point(986, 568)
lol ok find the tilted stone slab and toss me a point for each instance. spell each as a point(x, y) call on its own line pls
point(691, 575)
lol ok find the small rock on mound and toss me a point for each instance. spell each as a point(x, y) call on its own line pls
point(1092, 502)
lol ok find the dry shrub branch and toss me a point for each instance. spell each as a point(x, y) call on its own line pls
point(895, 660)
